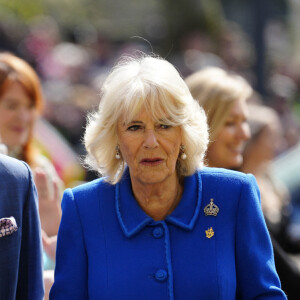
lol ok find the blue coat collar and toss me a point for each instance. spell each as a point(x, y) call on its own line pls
point(133, 219)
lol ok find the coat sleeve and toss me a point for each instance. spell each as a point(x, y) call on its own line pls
point(30, 275)
point(256, 274)
point(70, 277)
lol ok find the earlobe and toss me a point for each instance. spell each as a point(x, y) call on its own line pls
point(118, 153)
point(183, 155)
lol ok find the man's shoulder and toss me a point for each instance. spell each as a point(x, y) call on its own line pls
point(15, 182)
point(13, 169)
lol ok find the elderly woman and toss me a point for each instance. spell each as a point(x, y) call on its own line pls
point(158, 225)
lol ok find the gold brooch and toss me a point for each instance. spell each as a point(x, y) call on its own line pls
point(209, 233)
point(211, 209)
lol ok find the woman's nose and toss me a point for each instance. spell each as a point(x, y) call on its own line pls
point(244, 131)
point(150, 139)
point(24, 114)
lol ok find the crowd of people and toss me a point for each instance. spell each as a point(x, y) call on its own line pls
point(147, 141)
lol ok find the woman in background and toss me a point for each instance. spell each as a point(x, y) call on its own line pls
point(267, 140)
point(224, 97)
point(21, 103)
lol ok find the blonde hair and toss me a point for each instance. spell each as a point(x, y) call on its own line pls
point(154, 84)
point(216, 90)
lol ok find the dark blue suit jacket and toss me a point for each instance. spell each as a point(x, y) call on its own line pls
point(108, 248)
point(20, 252)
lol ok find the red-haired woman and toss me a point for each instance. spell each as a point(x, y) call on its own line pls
point(21, 102)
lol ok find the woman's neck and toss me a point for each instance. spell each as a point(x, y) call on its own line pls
point(158, 200)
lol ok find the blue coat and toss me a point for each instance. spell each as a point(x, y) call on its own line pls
point(109, 248)
point(20, 252)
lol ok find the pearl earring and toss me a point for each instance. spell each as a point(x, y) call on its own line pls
point(118, 154)
point(183, 155)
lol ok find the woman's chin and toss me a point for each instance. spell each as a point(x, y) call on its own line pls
point(236, 162)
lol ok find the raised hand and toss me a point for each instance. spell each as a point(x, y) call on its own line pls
point(49, 193)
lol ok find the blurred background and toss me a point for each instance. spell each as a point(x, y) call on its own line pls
point(72, 44)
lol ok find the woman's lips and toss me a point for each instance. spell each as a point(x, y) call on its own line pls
point(237, 149)
point(18, 129)
point(151, 161)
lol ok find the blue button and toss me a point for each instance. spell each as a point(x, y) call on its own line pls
point(161, 275)
point(158, 232)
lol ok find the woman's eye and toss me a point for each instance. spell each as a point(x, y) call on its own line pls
point(164, 126)
point(134, 127)
point(229, 123)
point(12, 106)
point(31, 105)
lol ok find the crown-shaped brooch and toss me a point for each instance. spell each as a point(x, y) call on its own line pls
point(211, 209)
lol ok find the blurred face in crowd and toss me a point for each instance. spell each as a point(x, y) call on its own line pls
point(268, 143)
point(150, 149)
point(17, 114)
point(226, 151)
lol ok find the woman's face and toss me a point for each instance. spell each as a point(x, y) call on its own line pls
point(268, 143)
point(150, 149)
point(17, 114)
point(227, 149)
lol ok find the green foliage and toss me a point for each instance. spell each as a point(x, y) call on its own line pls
point(119, 18)
point(23, 9)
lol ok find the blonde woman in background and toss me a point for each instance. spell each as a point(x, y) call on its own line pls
point(224, 97)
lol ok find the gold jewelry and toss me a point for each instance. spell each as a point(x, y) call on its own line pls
point(209, 233)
